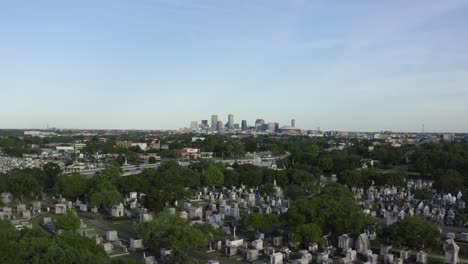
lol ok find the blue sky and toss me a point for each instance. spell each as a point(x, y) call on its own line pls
point(158, 64)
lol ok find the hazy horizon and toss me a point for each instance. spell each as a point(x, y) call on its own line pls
point(347, 66)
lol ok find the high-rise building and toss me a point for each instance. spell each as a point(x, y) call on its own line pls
point(194, 125)
point(214, 121)
point(271, 127)
point(204, 123)
point(230, 123)
point(293, 122)
point(219, 125)
point(244, 125)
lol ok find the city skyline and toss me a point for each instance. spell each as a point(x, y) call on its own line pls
point(361, 66)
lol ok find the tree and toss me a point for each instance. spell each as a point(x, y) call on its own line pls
point(104, 195)
point(152, 160)
point(69, 221)
point(23, 185)
point(112, 171)
point(307, 233)
point(52, 171)
point(260, 221)
point(352, 178)
point(173, 231)
point(231, 178)
point(214, 175)
point(72, 186)
point(451, 182)
point(413, 232)
point(301, 176)
point(9, 247)
point(325, 163)
point(334, 210)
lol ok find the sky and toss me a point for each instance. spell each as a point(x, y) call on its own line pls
point(159, 64)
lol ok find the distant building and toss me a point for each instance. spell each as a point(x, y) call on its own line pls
point(191, 153)
point(219, 125)
point(271, 127)
point(204, 124)
point(230, 123)
point(123, 144)
point(244, 125)
point(259, 123)
point(194, 125)
point(143, 146)
point(293, 122)
point(448, 137)
point(152, 138)
point(214, 122)
point(34, 133)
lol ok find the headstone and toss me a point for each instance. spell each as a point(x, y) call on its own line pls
point(344, 242)
point(252, 255)
point(108, 247)
point(111, 235)
point(60, 209)
point(257, 244)
point(118, 211)
point(46, 220)
point(362, 243)
point(405, 254)
point(421, 257)
point(276, 258)
point(451, 251)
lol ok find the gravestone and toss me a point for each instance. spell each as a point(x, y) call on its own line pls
point(108, 247)
point(252, 255)
point(112, 235)
point(421, 257)
point(451, 251)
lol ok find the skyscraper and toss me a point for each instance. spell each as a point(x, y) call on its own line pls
point(214, 121)
point(219, 125)
point(293, 122)
point(244, 125)
point(230, 123)
point(194, 125)
point(272, 127)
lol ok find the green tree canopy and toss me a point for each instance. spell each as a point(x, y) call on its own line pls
point(413, 232)
point(72, 186)
point(260, 221)
point(68, 221)
point(214, 175)
point(334, 210)
point(173, 231)
point(22, 184)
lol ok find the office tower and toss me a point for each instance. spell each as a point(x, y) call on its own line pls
point(271, 127)
point(236, 126)
point(194, 125)
point(214, 121)
point(230, 123)
point(244, 125)
point(204, 123)
point(219, 125)
point(276, 126)
point(293, 122)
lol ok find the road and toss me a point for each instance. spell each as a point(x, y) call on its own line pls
point(128, 169)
